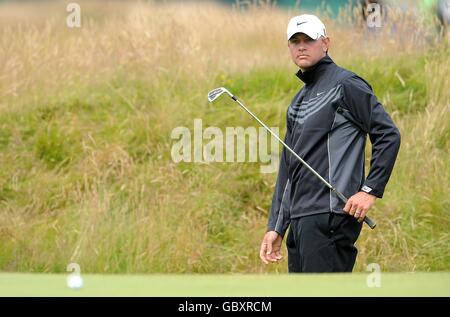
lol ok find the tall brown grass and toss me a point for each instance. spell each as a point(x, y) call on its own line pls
point(86, 116)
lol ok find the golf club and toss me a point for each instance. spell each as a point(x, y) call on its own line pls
point(216, 93)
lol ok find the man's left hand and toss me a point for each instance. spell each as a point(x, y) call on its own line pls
point(359, 204)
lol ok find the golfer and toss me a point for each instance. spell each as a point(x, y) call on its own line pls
point(327, 124)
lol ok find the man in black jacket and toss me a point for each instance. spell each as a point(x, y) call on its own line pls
point(327, 124)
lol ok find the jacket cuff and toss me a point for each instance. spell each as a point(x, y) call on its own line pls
point(279, 228)
point(372, 190)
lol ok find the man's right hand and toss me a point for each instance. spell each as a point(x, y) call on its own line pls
point(270, 250)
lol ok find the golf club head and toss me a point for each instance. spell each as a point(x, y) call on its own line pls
point(216, 93)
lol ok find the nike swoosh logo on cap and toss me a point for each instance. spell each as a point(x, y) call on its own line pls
point(300, 23)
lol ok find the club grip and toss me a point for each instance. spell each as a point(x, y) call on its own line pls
point(372, 224)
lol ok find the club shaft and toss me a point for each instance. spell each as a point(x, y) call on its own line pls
point(286, 146)
point(344, 199)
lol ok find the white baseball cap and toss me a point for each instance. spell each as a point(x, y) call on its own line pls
point(308, 24)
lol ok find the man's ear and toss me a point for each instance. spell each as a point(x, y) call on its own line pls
point(326, 42)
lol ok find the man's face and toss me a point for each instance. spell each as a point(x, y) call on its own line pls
point(306, 52)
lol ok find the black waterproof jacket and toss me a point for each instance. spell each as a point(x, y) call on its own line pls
point(327, 125)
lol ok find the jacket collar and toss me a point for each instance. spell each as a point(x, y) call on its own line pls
point(310, 75)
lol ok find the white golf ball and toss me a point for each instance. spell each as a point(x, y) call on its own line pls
point(75, 282)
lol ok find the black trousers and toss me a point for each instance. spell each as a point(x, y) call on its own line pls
point(322, 243)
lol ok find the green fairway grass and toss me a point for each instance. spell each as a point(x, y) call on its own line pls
point(346, 285)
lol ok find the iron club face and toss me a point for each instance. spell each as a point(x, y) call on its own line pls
point(216, 93)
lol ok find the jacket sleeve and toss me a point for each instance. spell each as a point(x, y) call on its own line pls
point(279, 218)
point(384, 135)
